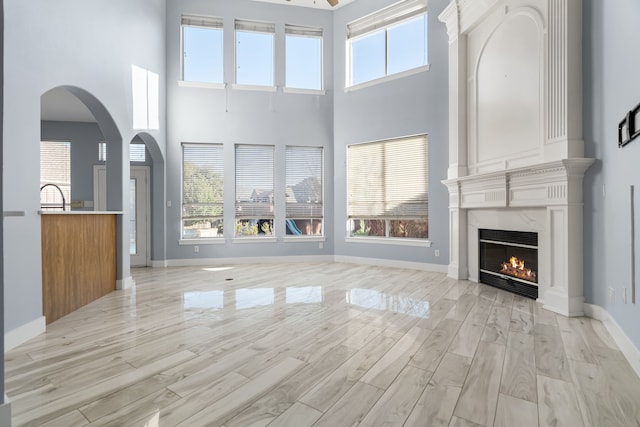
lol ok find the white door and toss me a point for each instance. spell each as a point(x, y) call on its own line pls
point(139, 202)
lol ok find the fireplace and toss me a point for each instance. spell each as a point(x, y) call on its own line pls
point(509, 260)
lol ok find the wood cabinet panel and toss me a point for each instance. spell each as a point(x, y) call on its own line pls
point(78, 261)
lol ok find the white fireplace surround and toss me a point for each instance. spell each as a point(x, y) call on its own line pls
point(515, 136)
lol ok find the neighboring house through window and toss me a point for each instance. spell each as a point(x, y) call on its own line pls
point(254, 190)
point(388, 185)
point(304, 207)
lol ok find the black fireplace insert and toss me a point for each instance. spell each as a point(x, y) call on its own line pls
point(509, 260)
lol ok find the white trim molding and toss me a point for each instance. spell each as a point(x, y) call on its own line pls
point(200, 262)
point(419, 266)
point(24, 333)
point(627, 347)
point(126, 283)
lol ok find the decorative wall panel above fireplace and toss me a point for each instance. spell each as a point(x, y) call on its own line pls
point(515, 135)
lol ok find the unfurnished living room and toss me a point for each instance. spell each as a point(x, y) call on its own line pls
point(320, 213)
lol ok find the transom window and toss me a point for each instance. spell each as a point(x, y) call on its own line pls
point(303, 57)
point(255, 53)
point(254, 191)
point(202, 49)
point(388, 185)
point(202, 190)
point(137, 152)
point(387, 42)
point(303, 192)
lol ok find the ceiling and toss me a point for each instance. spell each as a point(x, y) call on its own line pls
point(316, 4)
point(60, 105)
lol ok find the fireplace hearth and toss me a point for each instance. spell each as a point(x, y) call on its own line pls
point(509, 260)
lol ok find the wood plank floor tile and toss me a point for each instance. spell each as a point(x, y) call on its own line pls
point(292, 344)
point(479, 395)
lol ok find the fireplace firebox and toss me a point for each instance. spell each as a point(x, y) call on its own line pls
point(509, 261)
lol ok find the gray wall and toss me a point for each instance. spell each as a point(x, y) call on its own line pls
point(407, 106)
point(280, 119)
point(611, 88)
point(88, 45)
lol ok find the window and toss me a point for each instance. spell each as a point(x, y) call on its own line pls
point(387, 42)
point(304, 191)
point(254, 53)
point(254, 190)
point(202, 190)
point(55, 171)
point(202, 49)
point(137, 152)
point(303, 57)
point(388, 188)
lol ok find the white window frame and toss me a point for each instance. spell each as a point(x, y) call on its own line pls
point(211, 239)
point(256, 27)
point(406, 241)
point(64, 186)
point(307, 237)
point(310, 32)
point(383, 19)
point(206, 22)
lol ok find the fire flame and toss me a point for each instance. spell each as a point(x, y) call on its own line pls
point(515, 267)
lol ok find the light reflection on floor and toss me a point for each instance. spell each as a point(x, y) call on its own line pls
point(246, 298)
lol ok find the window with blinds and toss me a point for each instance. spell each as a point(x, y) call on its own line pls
point(202, 190)
point(55, 168)
point(387, 42)
point(137, 152)
point(388, 185)
point(255, 53)
point(303, 57)
point(202, 49)
point(254, 190)
point(303, 194)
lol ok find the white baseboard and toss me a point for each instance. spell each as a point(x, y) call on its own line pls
point(421, 266)
point(159, 264)
point(627, 347)
point(126, 283)
point(5, 412)
point(197, 262)
point(24, 333)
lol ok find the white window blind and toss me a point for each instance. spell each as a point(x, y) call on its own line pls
point(304, 182)
point(254, 182)
point(55, 168)
point(386, 17)
point(202, 21)
point(202, 188)
point(255, 26)
point(388, 179)
point(299, 30)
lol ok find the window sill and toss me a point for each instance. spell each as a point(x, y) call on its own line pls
point(254, 240)
point(389, 241)
point(202, 85)
point(304, 239)
point(303, 91)
point(258, 88)
point(203, 241)
point(389, 78)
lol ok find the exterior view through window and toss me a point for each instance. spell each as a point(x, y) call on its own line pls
point(255, 53)
point(303, 57)
point(254, 191)
point(304, 191)
point(202, 49)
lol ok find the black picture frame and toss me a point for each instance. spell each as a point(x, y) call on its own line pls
point(624, 134)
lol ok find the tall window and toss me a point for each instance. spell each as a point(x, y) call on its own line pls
point(304, 191)
point(202, 49)
point(387, 42)
point(202, 190)
point(388, 188)
point(303, 57)
point(254, 190)
point(255, 53)
point(55, 169)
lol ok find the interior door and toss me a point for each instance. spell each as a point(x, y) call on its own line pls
point(139, 209)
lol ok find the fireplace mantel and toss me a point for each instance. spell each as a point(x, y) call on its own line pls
point(516, 154)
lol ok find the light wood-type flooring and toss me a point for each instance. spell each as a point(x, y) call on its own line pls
point(318, 345)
